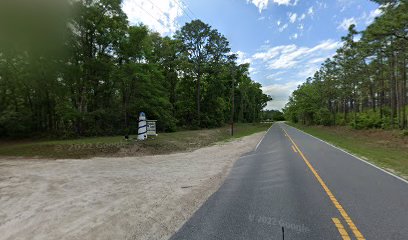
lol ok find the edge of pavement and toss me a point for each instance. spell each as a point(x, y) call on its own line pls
point(356, 157)
point(259, 143)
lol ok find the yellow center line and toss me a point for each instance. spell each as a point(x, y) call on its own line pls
point(343, 213)
point(341, 229)
point(294, 149)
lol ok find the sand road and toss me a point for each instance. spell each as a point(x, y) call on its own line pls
point(146, 197)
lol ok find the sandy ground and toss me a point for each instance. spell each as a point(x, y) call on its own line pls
point(146, 197)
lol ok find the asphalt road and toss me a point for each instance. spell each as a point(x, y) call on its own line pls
point(311, 189)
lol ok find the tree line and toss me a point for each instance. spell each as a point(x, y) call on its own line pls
point(80, 69)
point(365, 83)
point(272, 115)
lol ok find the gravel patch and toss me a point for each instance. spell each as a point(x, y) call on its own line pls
point(147, 197)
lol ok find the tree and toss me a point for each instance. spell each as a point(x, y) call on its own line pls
point(367, 77)
point(196, 37)
point(89, 73)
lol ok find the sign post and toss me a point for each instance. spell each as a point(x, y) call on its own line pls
point(151, 127)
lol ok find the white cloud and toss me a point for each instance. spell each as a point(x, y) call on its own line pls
point(252, 70)
point(294, 36)
point(159, 15)
point(369, 18)
point(321, 4)
point(263, 4)
point(286, 66)
point(302, 17)
point(273, 52)
point(292, 17)
point(242, 58)
point(318, 60)
point(282, 2)
point(345, 3)
point(286, 2)
point(275, 76)
point(364, 19)
point(260, 4)
point(310, 11)
point(283, 27)
point(308, 71)
point(288, 56)
point(280, 93)
point(345, 24)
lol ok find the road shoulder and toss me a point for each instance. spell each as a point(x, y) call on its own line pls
point(146, 197)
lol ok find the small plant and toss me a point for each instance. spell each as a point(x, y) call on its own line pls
point(366, 121)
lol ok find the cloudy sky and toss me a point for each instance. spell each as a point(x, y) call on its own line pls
point(285, 41)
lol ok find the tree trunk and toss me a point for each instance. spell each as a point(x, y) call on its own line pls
point(392, 90)
point(404, 92)
point(346, 109)
point(372, 96)
point(198, 95)
point(382, 88)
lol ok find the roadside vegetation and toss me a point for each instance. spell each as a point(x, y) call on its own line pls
point(386, 149)
point(272, 115)
point(164, 143)
point(357, 100)
point(80, 70)
point(364, 85)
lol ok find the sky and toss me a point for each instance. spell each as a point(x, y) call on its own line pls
point(285, 41)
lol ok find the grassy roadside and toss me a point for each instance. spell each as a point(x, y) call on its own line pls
point(386, 149)
point(117, 146)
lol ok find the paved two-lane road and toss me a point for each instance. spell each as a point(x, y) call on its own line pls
point(312, 189)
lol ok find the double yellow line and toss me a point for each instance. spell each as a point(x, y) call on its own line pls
point(333, 199)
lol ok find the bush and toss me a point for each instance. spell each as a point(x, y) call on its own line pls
point(367, 120)
point(323, 117)
point(340, 121)
point(14, 124)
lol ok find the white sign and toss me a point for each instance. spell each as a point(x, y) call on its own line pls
point(151, 127)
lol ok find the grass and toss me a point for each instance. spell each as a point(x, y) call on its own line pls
point(386, 149)
point(116, 146)
point(242, 129)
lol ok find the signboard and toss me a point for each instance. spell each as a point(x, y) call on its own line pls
point(151, 127)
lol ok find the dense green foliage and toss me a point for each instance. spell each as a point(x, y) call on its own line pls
point(272, 115)
point(365, 84)
point(88, 72)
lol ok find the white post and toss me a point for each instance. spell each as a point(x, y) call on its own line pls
point(142, 131)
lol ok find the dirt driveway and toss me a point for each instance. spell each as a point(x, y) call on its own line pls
point(111, 198)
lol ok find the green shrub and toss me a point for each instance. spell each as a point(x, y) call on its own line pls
point(324, 117)
point(367, 120)
point(14, 124)
point(340, 121)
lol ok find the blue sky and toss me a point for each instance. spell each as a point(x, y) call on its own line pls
point(285, 41)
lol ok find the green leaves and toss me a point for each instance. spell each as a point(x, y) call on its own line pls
point(102, 72)
point(366, 79)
